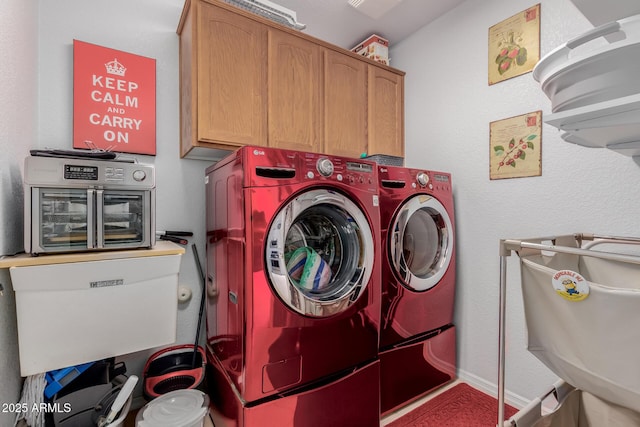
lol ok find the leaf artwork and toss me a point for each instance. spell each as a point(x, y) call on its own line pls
point(514, 151)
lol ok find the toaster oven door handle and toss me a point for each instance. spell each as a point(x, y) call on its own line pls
point(90, 218)
point(99, 229)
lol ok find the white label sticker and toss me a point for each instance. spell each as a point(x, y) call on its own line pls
point(570, 285)
point(105, 283)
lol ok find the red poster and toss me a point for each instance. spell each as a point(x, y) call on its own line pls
point(114, 100)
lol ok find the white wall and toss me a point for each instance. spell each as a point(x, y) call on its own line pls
point(449, 106)
point(18, 47)
point(147, 28)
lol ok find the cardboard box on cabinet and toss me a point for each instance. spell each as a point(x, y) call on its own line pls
point(374, 47)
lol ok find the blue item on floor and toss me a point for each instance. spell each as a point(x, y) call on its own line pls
point(59, 378)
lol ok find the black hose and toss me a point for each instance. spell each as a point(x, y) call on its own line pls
point(204, 294)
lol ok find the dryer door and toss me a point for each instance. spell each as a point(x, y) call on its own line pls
point(421, 242)
point(319, 253)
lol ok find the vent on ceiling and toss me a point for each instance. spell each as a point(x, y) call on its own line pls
point(374, 8)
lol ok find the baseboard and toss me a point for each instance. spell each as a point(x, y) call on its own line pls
point(491, 389)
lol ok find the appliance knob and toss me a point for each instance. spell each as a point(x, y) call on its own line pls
point(423, 179)
point(139, 175)
point(325, 167)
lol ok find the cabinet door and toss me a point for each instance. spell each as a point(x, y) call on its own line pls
point(345, 105)
point(231, 58)
point(294, 112)
point(386, 112)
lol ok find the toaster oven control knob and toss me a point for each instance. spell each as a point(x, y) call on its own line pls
point(139, 175)
point(325, 167)
point(423, 179)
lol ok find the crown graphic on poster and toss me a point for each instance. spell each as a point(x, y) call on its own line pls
point(114, 67)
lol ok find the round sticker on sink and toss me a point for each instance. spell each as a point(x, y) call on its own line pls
point(570, 285)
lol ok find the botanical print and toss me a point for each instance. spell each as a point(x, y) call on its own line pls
point(512, 52)
point(514, 45)
point(515, 146)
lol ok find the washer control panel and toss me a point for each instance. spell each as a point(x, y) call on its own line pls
point(324, 166)
point(340, 169)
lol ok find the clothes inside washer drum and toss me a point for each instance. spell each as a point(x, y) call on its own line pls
point(308, 270)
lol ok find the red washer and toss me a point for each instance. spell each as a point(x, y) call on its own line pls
point(293, 269)
point(351, 399)
point(418, 283)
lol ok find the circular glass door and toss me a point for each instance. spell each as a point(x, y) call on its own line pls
point(319, 253)
point(421, 242)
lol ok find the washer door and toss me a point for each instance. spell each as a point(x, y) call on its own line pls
point(421, 242)
point(319, 253)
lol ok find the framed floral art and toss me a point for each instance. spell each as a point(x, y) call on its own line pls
point(514, 45)
point(516, 146)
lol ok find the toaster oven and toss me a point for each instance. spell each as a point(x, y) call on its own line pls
point(79, 204)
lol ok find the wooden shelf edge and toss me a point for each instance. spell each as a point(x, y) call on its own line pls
point(25, 260)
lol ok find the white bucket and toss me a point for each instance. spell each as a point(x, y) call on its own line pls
point(179, 408)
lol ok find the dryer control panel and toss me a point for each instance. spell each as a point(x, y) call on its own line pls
point(430, 180)
point(422, 178)
point(405, 180)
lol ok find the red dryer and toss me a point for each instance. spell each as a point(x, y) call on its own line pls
point(417, 336)
point(293, 288)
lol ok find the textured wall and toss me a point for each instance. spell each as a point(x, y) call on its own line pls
point(18, 47)
point(147, 28)
point(449, 106)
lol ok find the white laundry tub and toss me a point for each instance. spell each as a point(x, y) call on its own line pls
point(78, 312)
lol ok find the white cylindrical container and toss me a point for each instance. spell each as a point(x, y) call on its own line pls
point(179, 408)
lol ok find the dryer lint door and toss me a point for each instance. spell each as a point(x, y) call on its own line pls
point(421, 242)
point(319, 253)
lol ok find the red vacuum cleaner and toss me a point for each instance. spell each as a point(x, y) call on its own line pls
point(178, 367)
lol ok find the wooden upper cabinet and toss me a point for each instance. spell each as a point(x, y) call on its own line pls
point(345, 104)
point(246, 80)
point(231, 78)
point(295, 92)
point(223, 80)
point(386, 112)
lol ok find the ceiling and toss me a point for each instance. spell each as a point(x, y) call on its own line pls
point(336, 22)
